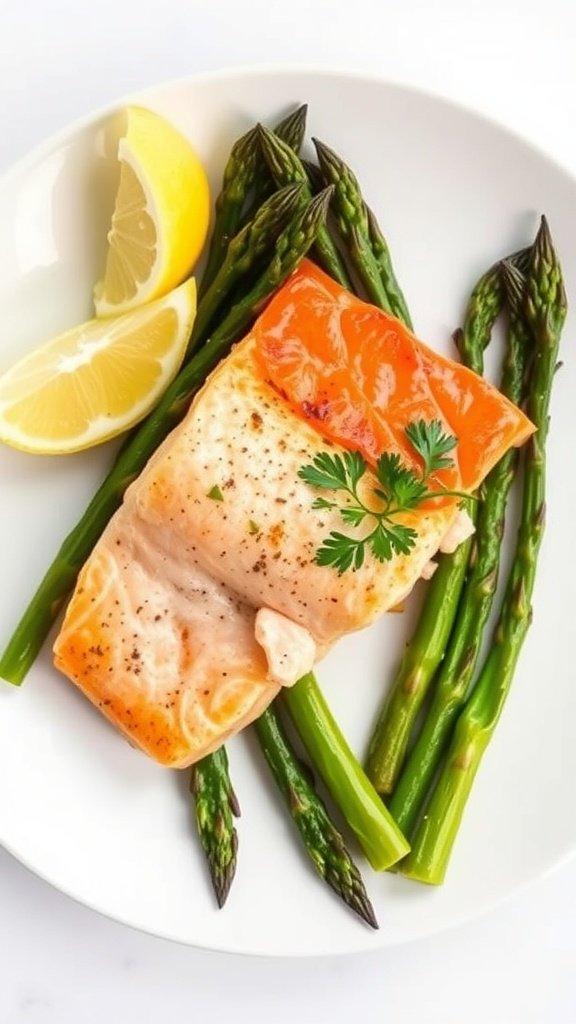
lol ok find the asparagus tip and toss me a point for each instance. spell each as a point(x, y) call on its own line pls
point(318, 207)
point(268, 141)
point(326, 156)
point(315, 177)
point(514, 283)
point(245, 142)
point(298, 114)
point(365, 910)
point(543, 247)
point(222, 877)
point(319, 145)
point(262, 131)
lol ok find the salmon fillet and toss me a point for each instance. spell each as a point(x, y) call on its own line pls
point(203, 597)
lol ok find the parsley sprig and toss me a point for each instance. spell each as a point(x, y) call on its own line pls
point(400, 488)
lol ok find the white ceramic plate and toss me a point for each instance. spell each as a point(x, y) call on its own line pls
point(77, 804)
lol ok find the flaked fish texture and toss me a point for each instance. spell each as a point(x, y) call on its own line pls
point(203, 597)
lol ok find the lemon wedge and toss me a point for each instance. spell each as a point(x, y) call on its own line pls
point(96, 380)
point(161, 215)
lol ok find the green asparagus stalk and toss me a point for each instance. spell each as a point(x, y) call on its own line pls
point(322, 841)
point(291, 245)
point(292, 128)
point(381, 254)
point(245, 183)
point(292, 131)
point(237, 181)
point(314, 175)
point(244, 253)
point(358, 801)
point(453, 680)
point(364, 240)
point(485, 304)
point(420, 661)
point(545, 309)
point(216, 807)
point(286, 168)
point(389, 742)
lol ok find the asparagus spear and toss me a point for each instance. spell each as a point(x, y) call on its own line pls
point(216, 807)
point(484, 307)
point(291, 245)
point(322, 841)
point(381, 254)
point(424, 653)
point(358, 801)
point(364, 240)
point(292, 128)
point(286, 169)
point(545, 309)
point(453, 680)
point(314, 175)
point(238, 179)
point(421, 658)
point(243, 254)
point(291, 131)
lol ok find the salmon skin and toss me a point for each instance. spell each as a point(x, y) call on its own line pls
point(361, 377)
point(203, 597)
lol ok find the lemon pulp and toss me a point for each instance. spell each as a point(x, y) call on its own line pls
point(161, 214)
point(97, 379)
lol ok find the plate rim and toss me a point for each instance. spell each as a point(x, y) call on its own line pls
point(264, 70)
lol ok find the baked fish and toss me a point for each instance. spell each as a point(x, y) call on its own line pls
point(203, 596)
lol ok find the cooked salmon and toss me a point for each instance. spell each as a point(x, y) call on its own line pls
point(203, 597)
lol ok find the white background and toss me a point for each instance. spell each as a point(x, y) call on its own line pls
point(512, 59)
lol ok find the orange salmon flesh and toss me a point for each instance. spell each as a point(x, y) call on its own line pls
point(191, 612)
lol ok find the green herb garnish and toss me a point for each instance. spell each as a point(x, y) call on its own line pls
point(400, 489)
point(215, 493)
